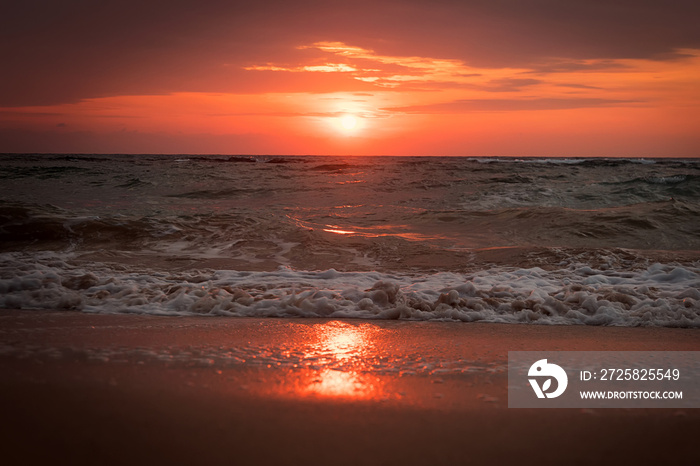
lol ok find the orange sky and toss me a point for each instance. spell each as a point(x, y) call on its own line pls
point(505, 77)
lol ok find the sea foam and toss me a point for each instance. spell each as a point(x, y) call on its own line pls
point(661, 295)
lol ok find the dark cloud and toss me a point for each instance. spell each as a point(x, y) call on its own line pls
point(575, 66)
point(577, 86)
point(65, 51)
point(493, 85)
point(509, 84)
point(17, 113)
point(508, 105)
point(134, 142)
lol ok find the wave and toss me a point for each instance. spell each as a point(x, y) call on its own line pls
point(402, 234)
point(43, 173)
point(218, 193)
point(657, 179)
point(658, 186)
point(661, 295)
point(247, 159)
point(135, 183)
point(331, 167)
point(671, 179)
point(584, 161)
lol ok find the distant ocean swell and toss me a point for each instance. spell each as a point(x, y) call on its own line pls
point(669, 225)
point(537, 241)
point(664, 296)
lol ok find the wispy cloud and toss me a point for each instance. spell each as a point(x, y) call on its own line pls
point(508, 105)
point(391, 72)
point(545, 85)
point(327, 68)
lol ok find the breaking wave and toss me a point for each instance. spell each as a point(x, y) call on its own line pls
point(660, 295)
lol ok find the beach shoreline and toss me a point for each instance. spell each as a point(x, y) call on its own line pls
point(83, 388)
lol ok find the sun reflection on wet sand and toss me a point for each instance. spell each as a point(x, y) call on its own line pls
point(340, 384)
point(348, 350)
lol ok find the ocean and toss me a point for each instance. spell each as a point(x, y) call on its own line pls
point(585, 241)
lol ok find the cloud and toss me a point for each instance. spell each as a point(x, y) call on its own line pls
point(577, 86)
point(58, 52)
point(134, 142)
point(509, 84)
point(508, 105)
point(327, 68)
point(558, 65)
point(400, 72)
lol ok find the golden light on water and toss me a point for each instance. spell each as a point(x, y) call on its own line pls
point(339, 232)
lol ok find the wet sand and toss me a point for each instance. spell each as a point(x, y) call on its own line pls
point(131, 389)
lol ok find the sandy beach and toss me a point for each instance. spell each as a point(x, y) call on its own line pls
point(132, 389)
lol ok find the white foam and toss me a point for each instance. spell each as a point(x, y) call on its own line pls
point(662, 295)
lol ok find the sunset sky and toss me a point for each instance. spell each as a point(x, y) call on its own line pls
point(411, 77)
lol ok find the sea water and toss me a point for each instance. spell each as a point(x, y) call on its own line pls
point(540, 241)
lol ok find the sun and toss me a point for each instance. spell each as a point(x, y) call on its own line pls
point(348, 122)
